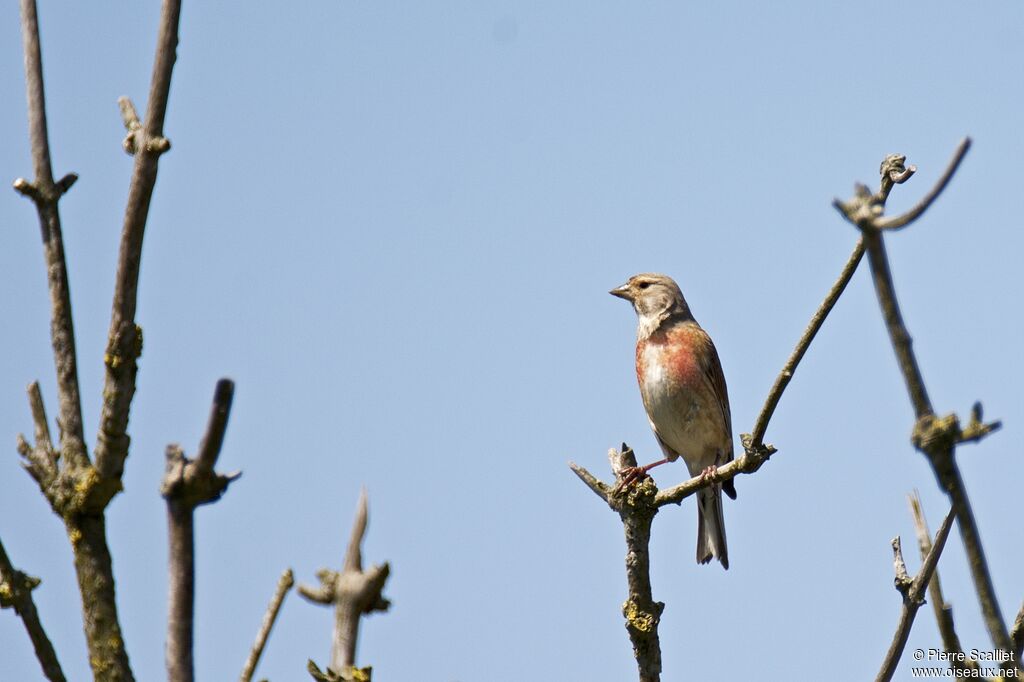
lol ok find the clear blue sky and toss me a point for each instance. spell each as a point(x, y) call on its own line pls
point(395, 224)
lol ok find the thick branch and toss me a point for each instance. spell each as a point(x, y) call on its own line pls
point(935, 437)
point(913, 596)
point(636, 507)
point(124, 344)
point(181, 586)
point(971, 537)
point(283, 585)
point(45, 193)
point(94, 569)
point(352, 591)
point(187, 484)
point(898, 334)
point(73, 492)
point(16, 592)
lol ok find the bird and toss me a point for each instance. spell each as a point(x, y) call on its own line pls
point(686, 399)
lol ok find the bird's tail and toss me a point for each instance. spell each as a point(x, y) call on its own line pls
point(711, 527)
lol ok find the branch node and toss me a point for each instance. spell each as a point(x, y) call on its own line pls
point(755, 454)
point(65, 183)
point(27, 189)
point(158, 145)
point(902, 581)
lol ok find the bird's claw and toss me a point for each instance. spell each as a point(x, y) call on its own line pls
point(710, 474)
point(629, 476)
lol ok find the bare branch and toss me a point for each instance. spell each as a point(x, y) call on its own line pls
point(35, 401)
point(124, 344)
point(74, 492)
point(45, 193)
point(900, 221)
point(817, 320)
point(913, 596)
point(209, 447)
point(935, 437)
point(353, 553)
point(1018, 633)
point(749, 462)
point(283, 585)
point(187, 484)
point(943, 611)
point(599, 488)
point(949, 475)
point(41, 459)
point(636, 506)
point(16, 592)
point(865, 211)
point(352, 591)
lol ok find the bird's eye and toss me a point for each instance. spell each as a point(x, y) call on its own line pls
point(644, 285)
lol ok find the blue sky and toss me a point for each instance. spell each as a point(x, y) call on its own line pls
point(394, 226)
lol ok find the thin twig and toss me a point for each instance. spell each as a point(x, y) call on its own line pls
point(913, 593)
point(900, 221)
point(124, 344)
point(283, 585)
point(747, 463)
point(1017, 633)
point(187, 484)
point(45, 193)
point(352, 591)
point(943, 611)
point(41, 460)
point(213, 439)
point(42, 427)
point(817, 320)
point(16, 592)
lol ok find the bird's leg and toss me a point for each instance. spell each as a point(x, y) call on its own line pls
point(710, 473)
point(631, 475)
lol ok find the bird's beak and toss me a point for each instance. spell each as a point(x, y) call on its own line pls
point(623, 292)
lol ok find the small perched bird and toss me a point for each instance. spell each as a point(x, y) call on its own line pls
point(684, 393)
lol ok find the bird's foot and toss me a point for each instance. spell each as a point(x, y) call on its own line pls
point(629, 476)
point(710, 474)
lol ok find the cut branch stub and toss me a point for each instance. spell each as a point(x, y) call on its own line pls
point(194, 482)
point(353, 591)
point(937, 434)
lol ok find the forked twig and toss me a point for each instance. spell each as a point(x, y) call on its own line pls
point(913, 595)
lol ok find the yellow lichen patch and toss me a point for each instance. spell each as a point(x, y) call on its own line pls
point(636, 618)
point(86, 481)
point(74, 535)
point(359, 674)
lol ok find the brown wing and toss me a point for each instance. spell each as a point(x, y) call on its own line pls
point(712, 370)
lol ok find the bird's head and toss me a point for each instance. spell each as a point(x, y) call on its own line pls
point(654, 296)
